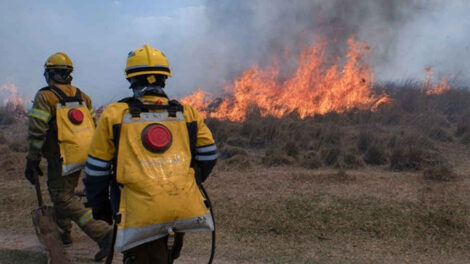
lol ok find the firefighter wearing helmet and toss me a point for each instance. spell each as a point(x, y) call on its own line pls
point(149, 155)
point(61, 124)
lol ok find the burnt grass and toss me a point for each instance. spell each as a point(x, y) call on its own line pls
point(390, 186)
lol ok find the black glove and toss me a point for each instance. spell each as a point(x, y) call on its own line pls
point(103, 212)
point(32, 167)
point(198, 175)
point(202, 170)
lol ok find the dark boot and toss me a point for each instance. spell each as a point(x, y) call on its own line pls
point(66, 238)
point(105, 246)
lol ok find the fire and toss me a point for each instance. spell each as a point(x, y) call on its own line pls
point(430, 88)
point(316, 87)
point(13, 103)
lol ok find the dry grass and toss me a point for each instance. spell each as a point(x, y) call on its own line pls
point(402, 135)
point(391, 186)
point(6, 118)
point(304, 216)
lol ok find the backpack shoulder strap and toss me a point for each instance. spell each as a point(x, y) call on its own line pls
point(78, 95)
point(63, 98)
point(136, 107)
point(174, 106)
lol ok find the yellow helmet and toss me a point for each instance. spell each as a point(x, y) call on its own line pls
point(147, 60)
point(59, 60)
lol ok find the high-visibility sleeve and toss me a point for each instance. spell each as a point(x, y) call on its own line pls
point(101, 154)
point(206, 150)
point(39, 117)
point(204, 135)
point(97, 176)
point(102, 145)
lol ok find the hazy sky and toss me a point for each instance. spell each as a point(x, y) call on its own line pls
point(97, 35)
point(210, 42)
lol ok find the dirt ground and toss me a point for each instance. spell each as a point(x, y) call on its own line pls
point(287, 214)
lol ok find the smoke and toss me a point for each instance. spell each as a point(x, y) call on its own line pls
point(406, 36)
point(211, 42)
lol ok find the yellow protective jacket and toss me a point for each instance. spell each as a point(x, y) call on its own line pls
point(156, 175)
point(42, 129)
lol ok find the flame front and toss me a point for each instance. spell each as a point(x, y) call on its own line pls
point(430, 88)
point(315, 88)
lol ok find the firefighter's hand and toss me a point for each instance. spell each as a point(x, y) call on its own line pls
point(32, 167)
point(103, 212)
point(200, 174)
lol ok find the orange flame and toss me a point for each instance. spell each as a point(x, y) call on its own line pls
point(13, 103)
point(430, 88)
point(315, 88)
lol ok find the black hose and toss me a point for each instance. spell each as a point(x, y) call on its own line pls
point(213, 221)
point(109, 258)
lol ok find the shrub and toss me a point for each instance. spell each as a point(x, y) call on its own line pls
point(429, 121)
point(462, 128)
point(366, 139)
point(6, 118)
point(330, 135)
point(3, 139)
point(310, 160)
point(466, 138)
point(439, 134)
point(240, 162)
point(291, 149)
point(219, 129)
point(439, 173)
point(276, 157)
point(330, 155)
point(18, 147)
point(375, 155)
point(404, 159)
point(412, 151)
point(227, 152)
point(412, 158)
point(234, 141)
point(267, 128)
point(352, 161)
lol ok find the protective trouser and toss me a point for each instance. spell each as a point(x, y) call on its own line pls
point(154, 252)
point(68, 207)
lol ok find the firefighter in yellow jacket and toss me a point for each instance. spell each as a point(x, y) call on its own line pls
point(150, 154)
point(60, 129)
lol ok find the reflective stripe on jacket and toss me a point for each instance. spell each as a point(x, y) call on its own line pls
point(138, 171)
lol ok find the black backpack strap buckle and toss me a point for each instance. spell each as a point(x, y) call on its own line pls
point(134, 111)
point(174, 107)
point(136, 107)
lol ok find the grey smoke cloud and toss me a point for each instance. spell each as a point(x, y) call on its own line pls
point(406, 35)
point(211, 42)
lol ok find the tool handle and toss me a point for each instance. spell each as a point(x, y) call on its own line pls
point(109, 258)
point(37, 184)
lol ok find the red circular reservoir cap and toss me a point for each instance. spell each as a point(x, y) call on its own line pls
point(156, 138)
point(76, 116)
